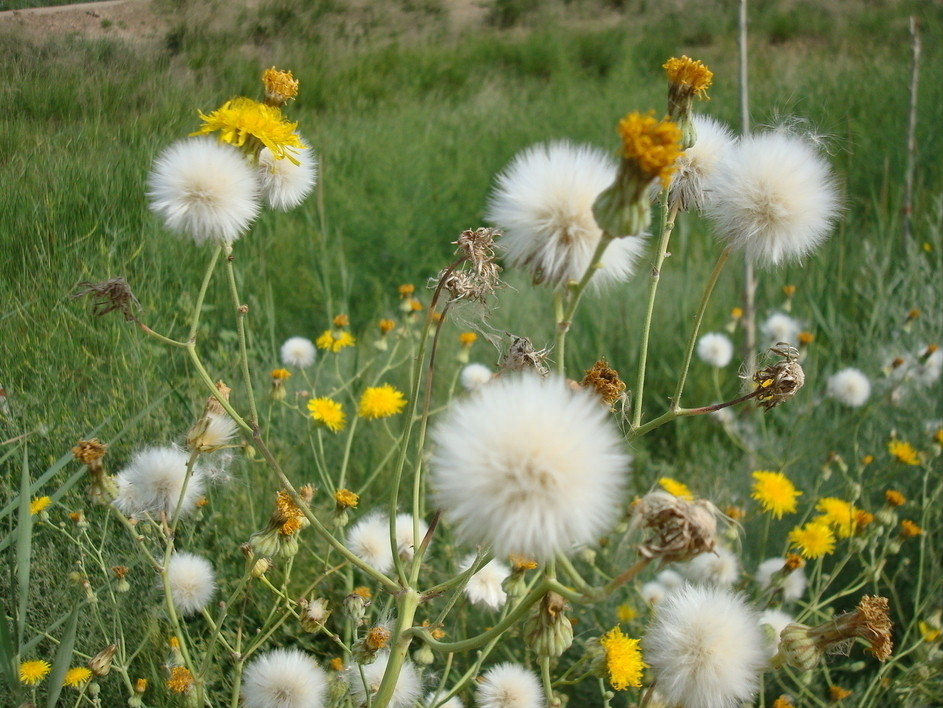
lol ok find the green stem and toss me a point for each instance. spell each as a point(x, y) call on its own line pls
point(698, 318)
point(671, 414)
point(241, 312)
point(201, 296)
point(667, 225)
point(407, 603)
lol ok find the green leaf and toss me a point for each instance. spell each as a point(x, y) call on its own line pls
point(60, 664)
point(24, 547)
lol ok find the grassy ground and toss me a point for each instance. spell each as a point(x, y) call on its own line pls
point(411, 124)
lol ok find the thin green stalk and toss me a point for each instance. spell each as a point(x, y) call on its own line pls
point(342, 480)
point(545, 679)
point(201, 296)
point(698, 318)
point(241, 312)
point(407, 603)
point(667, 225)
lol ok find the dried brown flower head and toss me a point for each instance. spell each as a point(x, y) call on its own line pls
point(523, 357)
point(89, 452)
point(605, 380)
point(681, 529)
point(482, 277)
point(781, 380)
point(110, 295)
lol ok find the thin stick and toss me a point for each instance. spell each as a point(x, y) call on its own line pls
point(907, 207)
point(749, 279)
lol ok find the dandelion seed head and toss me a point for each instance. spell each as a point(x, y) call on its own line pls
point(475, 376)
point(405, 693)
point(484, 588)
point(698, 165)
point(369, 539)
point(284, 184)
point(719, 567)
point(284, 678)
point(715, 349)
point(192, 582)
point(793, 585)
point(780, 327)
point(509, 685)
point(298, 352)
point(849, 387)
point(406, 542)
point(153, 480)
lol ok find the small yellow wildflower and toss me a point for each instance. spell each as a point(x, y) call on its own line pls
point(377, 637)
point(466, 339)
point(336, 664)
point(386, 326)
point(340, 321)
point(775, 493)
point(909, 529)
point(938, 437)
point(380, 402)
point(691, 74)
point(415, 305)
point(140, 685)
point(292, 526)
point(626, 613)
point(867, 460)
point(39, 504)
point(251, 125)
point(813, 540)
point(783, 702)
point(623, 659)
point(789, 290)
point(32, 672)
point(863, 518)
point(736, 313)
point(280, 86)
point(676, 488)
point(406, 290)
point(837, 693)
point(520, 563)
point(913, 314)
point(362, 591)
point(328, 412)
point(346, 499)
point(793, 562)
point(904, 452)
point(181, 680)
point(806, 338)
point(77, 677)
point(838, 514)
point(929, 632)
point(335, 340)
point(651, 144)
point(280, 374)
point(894, 498)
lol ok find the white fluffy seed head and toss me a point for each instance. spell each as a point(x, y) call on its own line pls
point(653, 592)
point(369, 539)
point(152, 481)
point(204, 189)
point(928, 371)
point(298, 352)
point(772, 622)
point(529, 467)
point(543, 202)
point(670, 579)
point(718, 567)
point(285, 184)
point(220, 430)
point(793, 585)
point(775, 198)
point(715, 349)
point(698, 165)
point(705, 648)
point(406, 542)
point(284, 678)
point(405, 693)
point(509, 686)
point(433, 699)
point(485, 588)
point(849, 387)
point(475, 376)
point(780, 327)
point(192, 582)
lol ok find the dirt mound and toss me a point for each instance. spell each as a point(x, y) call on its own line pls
point(130, 20)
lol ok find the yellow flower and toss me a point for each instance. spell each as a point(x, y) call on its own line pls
point(341, 321)
point(39, 504)
point(929, 632)
point(335, 341)
point(894, 498)
point(251, 125)
point(839, 515)
point(386, 326)
point(837, 693)
point(380, 402)
point(775, 493)
point(653, 145)
point(806, 338)
point(466, 339)
point(181, 680)
point(909, 529)
point(328, 412)
point(626, 613)
point(623, 659)
point(77, 677)
point(904, 452)
point(346, 499)
point(280, 86)
point(280, 374)
point(736, 313)
point(938, 437)
point(32, 672)
point(406, 290)
point(676, 488)
point(783, 702)
point(813, 540)
point(689, 74)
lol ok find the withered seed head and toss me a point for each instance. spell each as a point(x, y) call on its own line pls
point(110, 295)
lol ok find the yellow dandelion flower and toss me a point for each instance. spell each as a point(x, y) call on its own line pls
point(929, 632)
point(839, 515)
point(346, 499)
point(789, 290)
point(690, 75)
point(181, 680)
point(783, 702)
point(336, 664)
point(676, 488)
point(736, 312)
point(77, 677)
point(623, 659)
point(406, 290)
point(280, 86)
point(39, 504)
point(335, 340)
point(909, 529)
point(837, 693)
point(250, 126)
point(626, 613)
point(653, 145)
point(341, 321)
point(938, 437)
point(904, 452)
point(466, 339)
point(415, 305)
point(386, 326)
point(520, 563)
point(775, 493)
point(867, 460)
point(813, 540)
point(140, 685)
point(292, 526)
point(863, 518)
point(806, 338)
point(894, 498)
point(32, 672)
point(328, 412)
point(380, 402)
point(280, 374)
point(362, 591)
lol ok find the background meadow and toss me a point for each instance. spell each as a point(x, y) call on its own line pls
point(413, 107)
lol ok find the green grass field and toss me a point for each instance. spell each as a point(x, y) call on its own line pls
point(411, 119)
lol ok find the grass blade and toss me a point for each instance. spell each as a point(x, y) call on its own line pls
point(7, 652)
point(60, 664)
point(24, 541)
